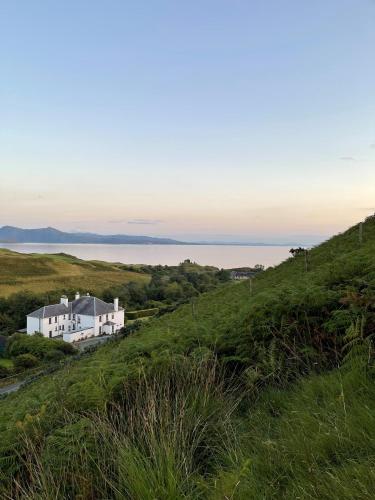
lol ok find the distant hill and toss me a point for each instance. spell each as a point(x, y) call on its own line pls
point(10, 234)
point(45, 273)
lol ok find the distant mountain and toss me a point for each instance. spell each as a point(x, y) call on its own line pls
point(10, 234)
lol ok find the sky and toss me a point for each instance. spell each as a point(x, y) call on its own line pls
point(201, 120)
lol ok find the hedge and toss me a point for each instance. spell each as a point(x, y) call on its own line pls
point(142, 313)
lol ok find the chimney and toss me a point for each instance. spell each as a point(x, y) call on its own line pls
point(115, 304)
point(76, 297)
point(64, 300)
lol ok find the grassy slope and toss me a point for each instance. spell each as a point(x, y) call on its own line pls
point(277, 434)
point(40, 273)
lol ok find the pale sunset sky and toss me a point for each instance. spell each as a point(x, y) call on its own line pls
point(200, 120)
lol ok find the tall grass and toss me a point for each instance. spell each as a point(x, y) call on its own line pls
point(161, 437)
point(313, 441)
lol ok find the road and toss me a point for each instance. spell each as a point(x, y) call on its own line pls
point(10, 388)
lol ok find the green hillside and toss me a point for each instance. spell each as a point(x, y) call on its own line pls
point(246, 392)
point(40, 273)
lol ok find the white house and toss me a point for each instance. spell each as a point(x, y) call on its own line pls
point(82, 318)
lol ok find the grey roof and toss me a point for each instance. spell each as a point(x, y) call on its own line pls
point(87, 306)
point(52, 310)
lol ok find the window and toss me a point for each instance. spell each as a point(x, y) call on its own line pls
point(64, 316)
point(50, 333)
point(100, 330)
point(100, 319)
point(113, 316)
point(70, 316)
point(74, 316)
point(55, 319)
point(69, 327)
point(55, 328)
point(49, 320)
point(106, 317)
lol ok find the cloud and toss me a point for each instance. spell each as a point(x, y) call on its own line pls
point(347, 158)
point(150, 222)
point(145, 221)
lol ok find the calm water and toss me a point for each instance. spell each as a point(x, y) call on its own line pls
point(215, 255)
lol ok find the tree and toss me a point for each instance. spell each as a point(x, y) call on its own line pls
point(24, 361)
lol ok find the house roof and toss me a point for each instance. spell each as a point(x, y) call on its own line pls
point(51, 310)
point(87, 306)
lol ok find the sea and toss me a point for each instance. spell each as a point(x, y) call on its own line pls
point(222, 256)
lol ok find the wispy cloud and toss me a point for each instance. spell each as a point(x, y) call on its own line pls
point(150, 222)
point(145, 221)
point(347, 158)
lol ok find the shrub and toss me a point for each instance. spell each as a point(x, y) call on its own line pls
point(54, 355)
point(66, 348)
point(4, 371)
point(24, 361)
point(36, 345)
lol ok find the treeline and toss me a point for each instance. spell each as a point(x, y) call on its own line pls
point(169, 285)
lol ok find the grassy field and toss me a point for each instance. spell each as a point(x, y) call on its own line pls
point(245, 393)
point(40, 273)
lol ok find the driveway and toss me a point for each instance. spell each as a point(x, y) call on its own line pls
point(10, 388)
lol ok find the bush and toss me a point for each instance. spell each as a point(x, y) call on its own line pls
point(54, 355)
point(4, 371)
point(24, 361)
point(66, 348)
point(37, 346)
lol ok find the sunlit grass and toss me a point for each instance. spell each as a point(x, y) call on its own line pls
point(43, 273)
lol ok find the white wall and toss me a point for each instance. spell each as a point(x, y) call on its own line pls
point(33, 325)
point(79, 335)
point(116, 317)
